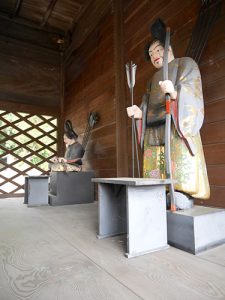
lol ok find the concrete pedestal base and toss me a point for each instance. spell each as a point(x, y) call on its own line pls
point(36, 190)
point(196, 229)
point(71, 188)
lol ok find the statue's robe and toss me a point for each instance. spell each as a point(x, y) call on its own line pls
point(73, 151)
point(187, 157)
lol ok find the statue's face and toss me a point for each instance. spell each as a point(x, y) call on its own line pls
point(156, 53)
point(67, 141)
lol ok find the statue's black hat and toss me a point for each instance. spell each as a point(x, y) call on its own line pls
point(68, 130)
point(158, 32)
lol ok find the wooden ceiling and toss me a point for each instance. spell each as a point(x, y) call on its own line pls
point(47, 23)
point(60, 15)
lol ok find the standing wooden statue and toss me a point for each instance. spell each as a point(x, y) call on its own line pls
point(187, 109)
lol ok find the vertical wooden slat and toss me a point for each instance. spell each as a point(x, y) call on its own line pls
point(120, 101)
point(62, 94)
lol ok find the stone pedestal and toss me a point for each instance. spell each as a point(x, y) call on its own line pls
point(36, 190)
point(196, 229)
point(71, 188)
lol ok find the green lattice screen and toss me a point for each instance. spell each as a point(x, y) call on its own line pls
point(27, 142)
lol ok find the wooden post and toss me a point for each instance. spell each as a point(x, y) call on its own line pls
point(120, 100)
point(61, 116)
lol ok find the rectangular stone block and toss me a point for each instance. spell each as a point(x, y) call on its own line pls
point(196, 229)
point(36, 190)
point(71, 188)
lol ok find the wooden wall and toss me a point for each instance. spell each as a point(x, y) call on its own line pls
point(90, 83)
point(30, 80)
point(29, 74)
point(89, 86)
point(212, 66)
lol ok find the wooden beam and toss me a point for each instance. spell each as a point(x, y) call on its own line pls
point(85, 4)
point(121, 116)
point(17, 9)
point(30, 24)
point(27, 108)
point(95, 11)
point(62, 113)
point(48, 12)
point(208, 15)
point(22, 49)
point(33, 36)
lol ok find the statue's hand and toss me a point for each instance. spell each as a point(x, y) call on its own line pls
point(134, 111)
point(54, 159)
point(167, 87)
point(62, 160)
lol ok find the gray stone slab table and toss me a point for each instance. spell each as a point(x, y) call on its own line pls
point(136, 206)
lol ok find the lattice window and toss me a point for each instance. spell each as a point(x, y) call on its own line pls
point(27, 142)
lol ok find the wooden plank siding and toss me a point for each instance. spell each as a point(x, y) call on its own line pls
point(30, 80)
point(89, 86)
point(29, 74)
point(90, 83)
point(212, 67)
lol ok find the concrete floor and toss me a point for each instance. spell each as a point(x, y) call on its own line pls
point(51, 253)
